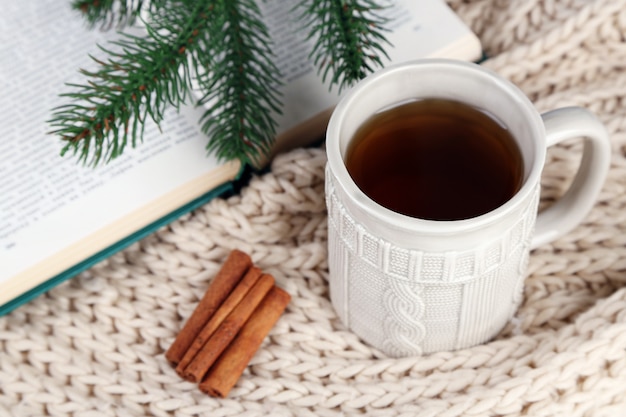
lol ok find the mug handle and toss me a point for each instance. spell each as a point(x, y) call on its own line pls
point(569, 211)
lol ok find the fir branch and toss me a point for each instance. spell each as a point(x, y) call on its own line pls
point(348, 38)
point(225, 45)
point(241, 84)
point(138, 81)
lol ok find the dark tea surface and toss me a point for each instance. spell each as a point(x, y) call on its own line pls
point(435, 159)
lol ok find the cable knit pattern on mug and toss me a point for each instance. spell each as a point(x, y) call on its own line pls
point(94, 345)
point(403, 325)
point(410, 279)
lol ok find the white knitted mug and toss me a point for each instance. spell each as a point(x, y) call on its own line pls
point(409, 286)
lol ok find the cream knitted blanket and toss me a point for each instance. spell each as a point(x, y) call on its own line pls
point(94, 345)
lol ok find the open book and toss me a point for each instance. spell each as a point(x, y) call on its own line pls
point(58, 218)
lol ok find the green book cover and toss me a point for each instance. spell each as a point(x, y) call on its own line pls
point(222, 191)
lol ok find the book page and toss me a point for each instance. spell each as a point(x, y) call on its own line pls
point(52, 207)
point(48, 202)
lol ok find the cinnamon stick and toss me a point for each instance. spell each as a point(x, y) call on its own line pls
point(233, 361)
point(222, 285)
point(226, 332)
point(242, 288)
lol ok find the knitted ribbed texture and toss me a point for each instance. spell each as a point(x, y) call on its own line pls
point(94, 345)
